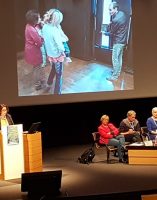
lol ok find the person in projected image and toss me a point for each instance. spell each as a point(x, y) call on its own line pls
point(39, 27)
point(130, 128)
point(118, 31)
point(65, 39)
point(55, 49)
point(109, 134)
point(152, 124)
point(5, 118)
point(33, 44)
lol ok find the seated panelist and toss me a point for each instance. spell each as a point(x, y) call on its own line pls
point(152, 124)
point(130, 128)
point(109, 135)
point(5, 118)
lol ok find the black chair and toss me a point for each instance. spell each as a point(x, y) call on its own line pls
point(145, 133)
point(109, 148)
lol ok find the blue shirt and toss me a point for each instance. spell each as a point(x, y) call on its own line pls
point(53, 40)
point(151, 124)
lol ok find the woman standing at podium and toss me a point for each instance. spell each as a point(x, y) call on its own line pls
point(5, 118)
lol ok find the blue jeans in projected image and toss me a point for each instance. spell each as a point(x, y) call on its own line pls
point(117, 59)
point(56, 71)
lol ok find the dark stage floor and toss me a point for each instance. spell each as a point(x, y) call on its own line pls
point(97, 178)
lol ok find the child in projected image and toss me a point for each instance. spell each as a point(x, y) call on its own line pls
point(39, 27)
point(33, 44)
point(65, 39)
point(54, 49)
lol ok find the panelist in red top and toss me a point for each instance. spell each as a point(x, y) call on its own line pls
point(109, 135)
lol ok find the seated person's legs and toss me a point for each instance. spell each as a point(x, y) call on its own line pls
point(129, 138)
point(137, 137)
point(117, 143)
point(121, 139)
point(133, 138)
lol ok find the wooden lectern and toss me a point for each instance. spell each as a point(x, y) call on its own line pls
point(32, 146)
point(32, 152)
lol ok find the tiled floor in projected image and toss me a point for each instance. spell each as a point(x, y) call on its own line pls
point(78, 77)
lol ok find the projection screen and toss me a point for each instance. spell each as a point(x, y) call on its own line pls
point(89, 30)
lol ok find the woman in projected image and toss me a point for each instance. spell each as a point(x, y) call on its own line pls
point(54, 48)
point(33, 44)
point(109, 134)
point(5, 118)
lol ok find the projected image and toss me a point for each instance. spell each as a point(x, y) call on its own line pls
point(61, 50)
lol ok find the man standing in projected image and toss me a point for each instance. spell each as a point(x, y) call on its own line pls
point(118, 30)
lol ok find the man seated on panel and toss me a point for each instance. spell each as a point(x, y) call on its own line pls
point(130, 128)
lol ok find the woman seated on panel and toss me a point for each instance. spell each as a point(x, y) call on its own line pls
point(5, 118)
point(109, 135)
point(152, 124)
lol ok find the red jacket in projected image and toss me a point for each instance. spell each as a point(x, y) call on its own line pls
point(105, 132)
point(33, 42)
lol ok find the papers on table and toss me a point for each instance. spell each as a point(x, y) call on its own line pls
point(137, 144)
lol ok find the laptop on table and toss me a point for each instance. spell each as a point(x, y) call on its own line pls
point(33, 128)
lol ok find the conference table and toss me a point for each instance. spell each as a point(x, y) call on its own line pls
point(139, 153)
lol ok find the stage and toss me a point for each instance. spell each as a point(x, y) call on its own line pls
point(80, 180)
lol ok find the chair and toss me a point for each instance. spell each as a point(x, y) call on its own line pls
point(109, 149)
point(144, 133)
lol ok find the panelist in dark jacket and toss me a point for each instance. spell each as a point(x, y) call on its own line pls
point(130, 128)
